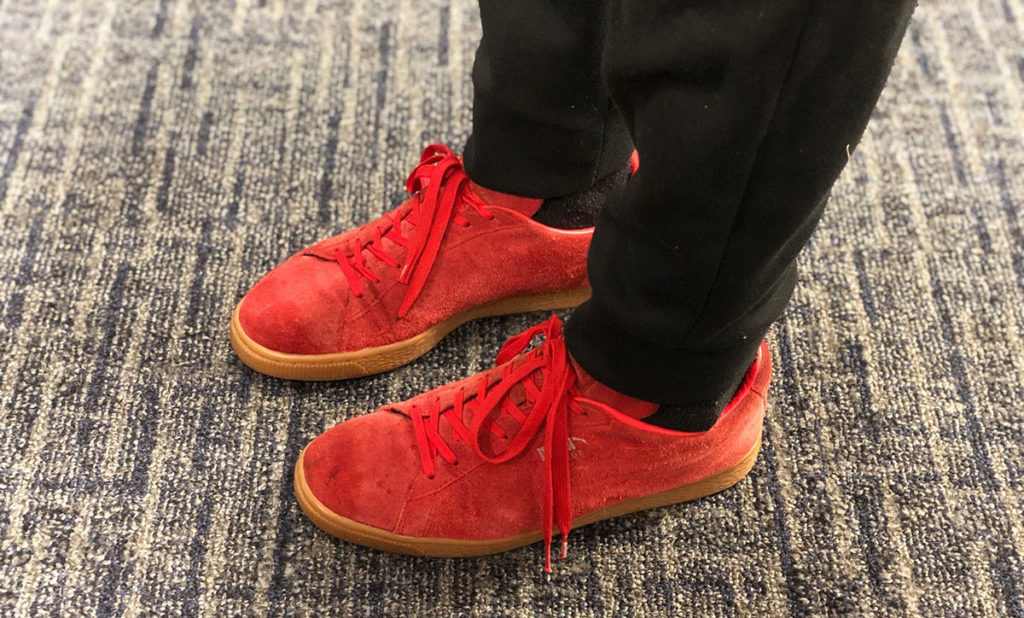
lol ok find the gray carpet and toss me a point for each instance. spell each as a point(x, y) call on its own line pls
point(157, 157)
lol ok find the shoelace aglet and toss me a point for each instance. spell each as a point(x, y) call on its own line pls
point(562, 553)
point(405, 273)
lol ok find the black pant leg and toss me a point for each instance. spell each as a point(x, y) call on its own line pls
point(543, 123)
point(743, 112)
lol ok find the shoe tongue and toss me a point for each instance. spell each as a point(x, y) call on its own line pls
point(525, 205)
point(590, 388)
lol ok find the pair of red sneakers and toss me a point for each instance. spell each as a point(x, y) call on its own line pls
point(499, 459)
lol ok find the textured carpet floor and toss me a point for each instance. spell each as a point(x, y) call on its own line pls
point(157, 157)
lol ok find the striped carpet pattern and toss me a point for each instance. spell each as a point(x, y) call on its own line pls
point(157, 157)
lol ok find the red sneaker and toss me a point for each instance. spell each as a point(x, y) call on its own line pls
point(495, 461)
point(380, 295)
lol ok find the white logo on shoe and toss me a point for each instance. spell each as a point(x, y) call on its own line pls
point(574, 451)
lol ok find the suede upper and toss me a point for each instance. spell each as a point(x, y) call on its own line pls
point(487, 252)
point(368, 469)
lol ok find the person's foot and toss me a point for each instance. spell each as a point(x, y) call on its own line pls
point(497, 460)
point(380, 295)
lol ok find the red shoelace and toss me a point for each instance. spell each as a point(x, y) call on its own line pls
point(439, 187)
point(548, 404)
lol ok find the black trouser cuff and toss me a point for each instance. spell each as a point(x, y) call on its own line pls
point(648, 371)
point(523, 157)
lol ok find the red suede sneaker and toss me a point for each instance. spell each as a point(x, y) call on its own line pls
point(495, 461)
point(380, 295)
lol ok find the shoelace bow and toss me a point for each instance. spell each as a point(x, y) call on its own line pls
point(438, 185)
point(549, 405)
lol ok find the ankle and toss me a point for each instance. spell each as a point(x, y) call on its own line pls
point(525, 205)
point(579, 210)
point(569, 212)
point(693, 416)
point(590, 388)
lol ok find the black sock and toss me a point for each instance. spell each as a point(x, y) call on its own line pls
point(579, 210)
point(692, 416)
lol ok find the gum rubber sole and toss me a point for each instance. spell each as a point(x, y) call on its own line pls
point(369, 361)
point(361, 534)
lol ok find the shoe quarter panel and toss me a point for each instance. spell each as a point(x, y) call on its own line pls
point(620, 462)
